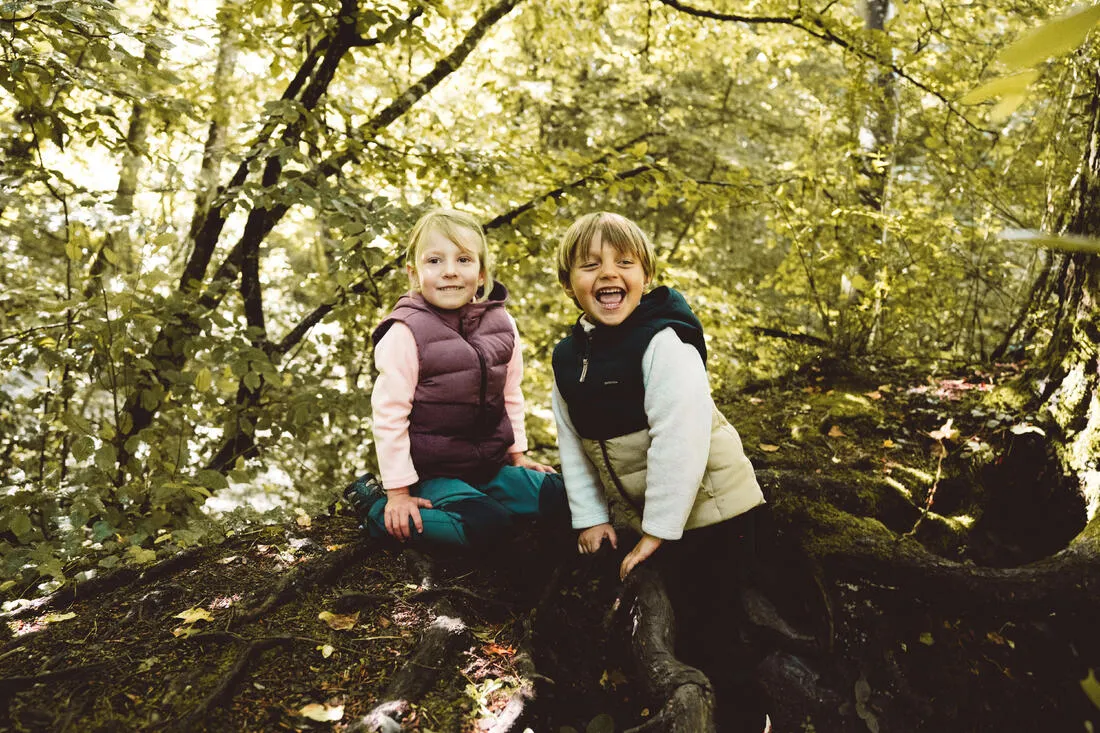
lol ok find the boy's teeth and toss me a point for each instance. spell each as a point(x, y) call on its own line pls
point(610, 296)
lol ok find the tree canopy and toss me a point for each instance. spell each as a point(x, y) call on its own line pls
point(204, 209)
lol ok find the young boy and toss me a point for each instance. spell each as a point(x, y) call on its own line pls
point(637, 428)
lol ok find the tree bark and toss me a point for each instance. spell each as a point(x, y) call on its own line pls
point(1069, 367)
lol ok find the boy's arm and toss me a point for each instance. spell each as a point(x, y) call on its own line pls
point(587, 504)
point(398, 365)
point(679, 408)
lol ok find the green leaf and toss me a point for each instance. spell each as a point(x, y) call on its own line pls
point(211, 479)
point(20, 524)
point(203, 379)
point(1064, 242)
point(83, 447)
point(1053, 38)
point(140, 556)
point(1005, 85)
point(106, 458)
point(101, 530)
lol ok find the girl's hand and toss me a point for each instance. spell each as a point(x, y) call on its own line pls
point(645, 547)
point(521, 460)
point(400, 508)
point(590, 539)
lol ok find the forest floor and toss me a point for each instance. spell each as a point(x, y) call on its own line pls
point(309, 626)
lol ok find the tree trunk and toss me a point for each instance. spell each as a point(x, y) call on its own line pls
point(1068, 373)
point(860, 311)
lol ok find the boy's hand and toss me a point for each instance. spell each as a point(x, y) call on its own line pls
point(591, 538)
point(521, 460)
point(645, 547)
point(400, 508)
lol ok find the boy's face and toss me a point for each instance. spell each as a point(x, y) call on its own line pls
point(447, 274)
point(607, 283)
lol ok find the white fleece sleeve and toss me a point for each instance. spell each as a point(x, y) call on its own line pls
point(587, 504)
point(513, 394)
point(391, 399)
point(679, 408)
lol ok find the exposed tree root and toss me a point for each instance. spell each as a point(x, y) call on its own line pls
point(436, 652)
point(306, 575)
point(428, 595)
point(14, 684)
point(863, 550)
point(683, 693)
point(507, 718)
point(233, 676)
point(111, 581)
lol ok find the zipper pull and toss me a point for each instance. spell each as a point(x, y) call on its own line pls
point(584, 368)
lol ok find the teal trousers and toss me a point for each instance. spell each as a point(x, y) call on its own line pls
point(476, 515)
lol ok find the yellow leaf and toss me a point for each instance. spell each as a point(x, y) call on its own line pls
point(768, 447)
point(836, 432)
point(184, 631)
point(203, 379)
point(194, 615)
point(1004, 109)
point(303, 520)
point(1016, 84)
point(320, 713)
point(1052, 38)
point(889, 444)
point(1092, 687)
point(640, 149)
point(339, 622)
point(326, 650)
point(53, 618)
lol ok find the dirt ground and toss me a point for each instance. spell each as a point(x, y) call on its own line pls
point(309, 626)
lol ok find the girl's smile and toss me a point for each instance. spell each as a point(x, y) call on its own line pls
point(447, 273)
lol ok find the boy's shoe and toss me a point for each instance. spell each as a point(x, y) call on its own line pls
point(362, 493)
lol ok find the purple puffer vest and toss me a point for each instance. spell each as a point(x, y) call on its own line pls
point(458, 427)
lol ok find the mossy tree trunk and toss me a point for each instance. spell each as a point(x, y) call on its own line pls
point(1068, 372)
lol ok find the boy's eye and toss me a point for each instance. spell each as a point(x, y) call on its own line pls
point(432, 260)
point(588, 265)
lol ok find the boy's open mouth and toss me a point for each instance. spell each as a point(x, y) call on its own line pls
point(610, 297)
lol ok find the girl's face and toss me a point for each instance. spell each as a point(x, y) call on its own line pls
point(447, 273)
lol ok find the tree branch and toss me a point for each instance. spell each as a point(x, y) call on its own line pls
point(811, 23)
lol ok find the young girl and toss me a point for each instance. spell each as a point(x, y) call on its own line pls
point(447, 404)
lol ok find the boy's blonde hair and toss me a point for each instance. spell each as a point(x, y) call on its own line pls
point(614, 229)
point(451, 223)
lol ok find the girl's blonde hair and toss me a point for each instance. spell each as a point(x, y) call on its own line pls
point(614, 229)
point(452, 224)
